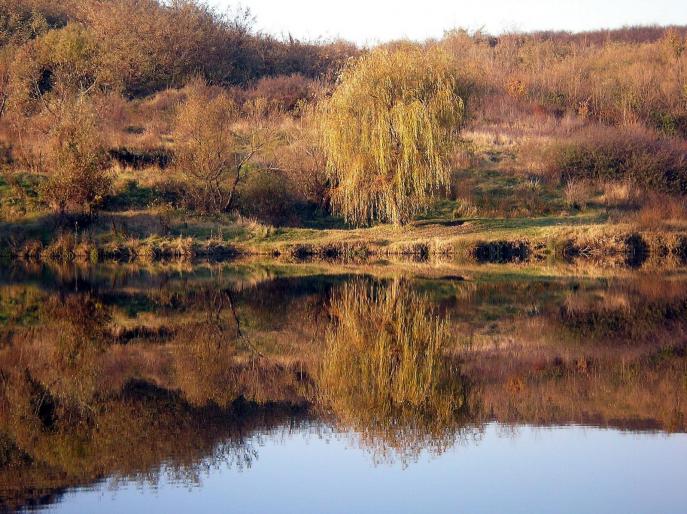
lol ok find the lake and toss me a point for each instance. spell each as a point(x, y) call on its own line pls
point(265, 387)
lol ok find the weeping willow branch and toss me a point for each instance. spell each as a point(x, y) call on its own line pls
point(388, 131)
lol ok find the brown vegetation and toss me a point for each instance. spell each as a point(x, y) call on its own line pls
point(78, 171)
point(207, 122)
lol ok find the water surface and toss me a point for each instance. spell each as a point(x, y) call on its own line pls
point(249, 388)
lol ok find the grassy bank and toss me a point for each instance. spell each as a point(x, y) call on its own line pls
point(549, 155)
point(496, 212)
point(584, 237)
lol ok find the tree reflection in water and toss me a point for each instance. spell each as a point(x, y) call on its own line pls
point(385, 372)
point(131, 377)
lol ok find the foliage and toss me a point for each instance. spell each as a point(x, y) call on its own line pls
point(21, 21)
point(266, 196)
point(633, 155)
point(616, 77)
point(300, 158)
point(283, 93)
point(78, 176)
point(148, 45)
point(59, 64)
point(213, 148)
point(388, 131)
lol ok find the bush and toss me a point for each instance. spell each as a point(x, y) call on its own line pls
point(268, 197)
point(78, 177)
point(211, 156)
point(283, 93)
point(577, 194)
point(22, 20)
point(660, 210)
point(60, 63)
point(300, 158)
point(609, 154)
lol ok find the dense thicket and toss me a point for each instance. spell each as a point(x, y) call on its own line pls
point(138, 47)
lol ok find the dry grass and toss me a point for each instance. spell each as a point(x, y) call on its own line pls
point(620, 195)
point(660, 212)
point(577, 193)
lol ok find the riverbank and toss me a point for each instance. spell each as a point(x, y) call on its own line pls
point(585, 238)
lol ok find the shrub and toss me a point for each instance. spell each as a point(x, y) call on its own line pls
point(59, 64)
point(213, 149)
point(300, 158)
point(22, 20)
point(608, 154)
point(577, 194)
point(283, 93)
point(267, 197)
point(658, 210)
point(388, 131)
point(78, 176)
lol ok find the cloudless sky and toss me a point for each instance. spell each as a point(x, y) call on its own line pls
point(370, 21)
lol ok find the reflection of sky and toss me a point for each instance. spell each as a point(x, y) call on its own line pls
point(367, 21)
point(528, 470)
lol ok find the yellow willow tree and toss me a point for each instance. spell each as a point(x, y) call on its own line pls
point(388, 131)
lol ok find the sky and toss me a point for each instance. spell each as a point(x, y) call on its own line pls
point(372, 21)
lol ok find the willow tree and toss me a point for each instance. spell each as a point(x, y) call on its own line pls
point(388, 131)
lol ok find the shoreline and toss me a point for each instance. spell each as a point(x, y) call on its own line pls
point(603, 245)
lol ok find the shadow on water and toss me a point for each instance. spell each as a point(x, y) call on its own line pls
point(119, 373)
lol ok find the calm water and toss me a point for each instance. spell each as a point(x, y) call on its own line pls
point(248, 388)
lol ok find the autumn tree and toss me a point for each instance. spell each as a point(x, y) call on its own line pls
point(52, 68)
point(215, 144)
point(148, 45)
point(388, 131)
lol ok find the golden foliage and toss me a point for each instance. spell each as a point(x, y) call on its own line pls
point(388, 131)
point(214, 147)
point(674, 43)
point(78, 176)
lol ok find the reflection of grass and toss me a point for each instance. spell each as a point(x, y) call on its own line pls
point(19, 306)
point(384, 372)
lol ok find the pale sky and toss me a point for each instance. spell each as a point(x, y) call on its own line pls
point(370, 21)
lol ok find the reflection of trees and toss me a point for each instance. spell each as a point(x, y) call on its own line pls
point(122, 381)
point(633, 312)
point(139, 435)
point(215, 359)
point(52, 370)
point(385, 374)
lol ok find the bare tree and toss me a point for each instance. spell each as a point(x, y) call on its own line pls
point(215, 144)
